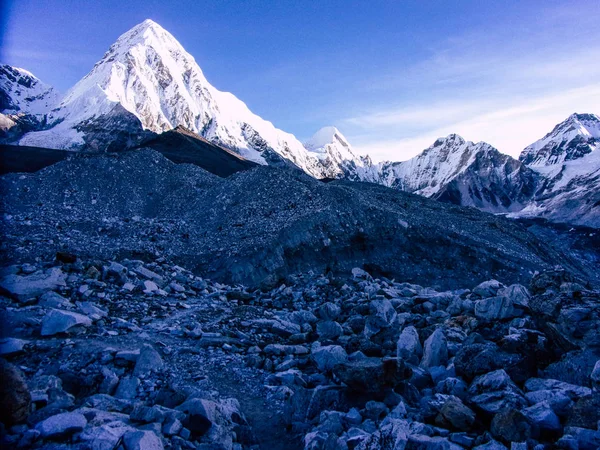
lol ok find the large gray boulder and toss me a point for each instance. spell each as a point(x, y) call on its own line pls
point(61, 425)
point(510, 302)
point(23, 288)
point(327, 357)
point(435, 352)
point(58, 321)
point(408, 346)
point(142, 440)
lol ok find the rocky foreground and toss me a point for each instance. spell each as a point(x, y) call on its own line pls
point(133, 355)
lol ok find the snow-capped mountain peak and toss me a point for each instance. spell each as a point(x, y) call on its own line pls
point(21, 92)
point(571, 139)
point(150, 76)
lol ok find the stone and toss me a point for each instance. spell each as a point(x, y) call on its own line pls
point(148, 361)
point(106, 436)
point(424, 442)
point(51, 299)
point(510, 425)
point(150, 286)
point(142, 440)
point(383, 313)
point(472, 360)
point(329, 311)
point(585, 412)
point(327, 357)
point(23, 288)
point(11, 346)
point(61, 425)
point(372, 375)
point(59, 321)
point(435, 351)
point(488, 288)
point(109, 382)
point(455, 415)
point(91, 310)
point(200, 415)
point(595, 376)
point(570, 390)
point(329, 330)
point(586, 439)
point(14, 395)
point(146, 414)
point(127, 388)
point(499, 308)
point(494, 392)
point(542, 416)
point(408, 346)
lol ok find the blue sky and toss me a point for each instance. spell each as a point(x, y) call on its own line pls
point(391, 75)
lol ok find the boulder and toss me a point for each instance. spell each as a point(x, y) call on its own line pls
point(148, 361)
point(59, 321)
point(543, 417)
point(383, 313)
point(11, 346)
point(488, 288)
point(585, 412)
point(408, 346)
point(372, 375)
point(201, 414)
point(23, 288)
point(511, 302)
point(329, 330)
point(327, 357)
point(14, 395)
point(435, 351)
point(455, 415)
point(61, 425)
point(510, 425)
point(495, 391)
point(142, 440)
point(329, 311)
point(595, 376)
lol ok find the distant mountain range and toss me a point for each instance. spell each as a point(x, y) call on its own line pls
point(147, 84)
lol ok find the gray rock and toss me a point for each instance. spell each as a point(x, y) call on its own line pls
point(201, 414)
point(11, 346)
point(372, 374)
point(327, 357)
point(595, 376)
point(329, 330)
point(488, 288)
point(91, 310)
point(571, 390)
point(510, 425)
point(586, 439)
point(58, 321)
point(494, 392)
point(142, 440)
point(435, 352)
point(329, 311)
point(148, 361)
point(408, 346)
point(498, 308)
point(455, 415)
point(61, 425)
point(106, 436)
point(383, 313)
point(14, 394)
point(51, 299)
point(23, 288)
point(127, 388)
point(542, 415)
point(424, 442)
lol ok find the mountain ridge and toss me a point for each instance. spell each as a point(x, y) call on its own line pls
point(147, 83)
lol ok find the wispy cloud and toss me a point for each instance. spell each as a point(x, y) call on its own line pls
point(508, 90)
point(509, 129)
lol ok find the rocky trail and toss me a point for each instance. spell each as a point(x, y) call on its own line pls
point(146, 355)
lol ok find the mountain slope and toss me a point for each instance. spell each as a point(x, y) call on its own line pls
point(335, 154)
point(151, 76)
point(182, 146)
point(464, 173)
point(258, 226)
point(21, 92)
point(571, 139)
point(568, 162)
